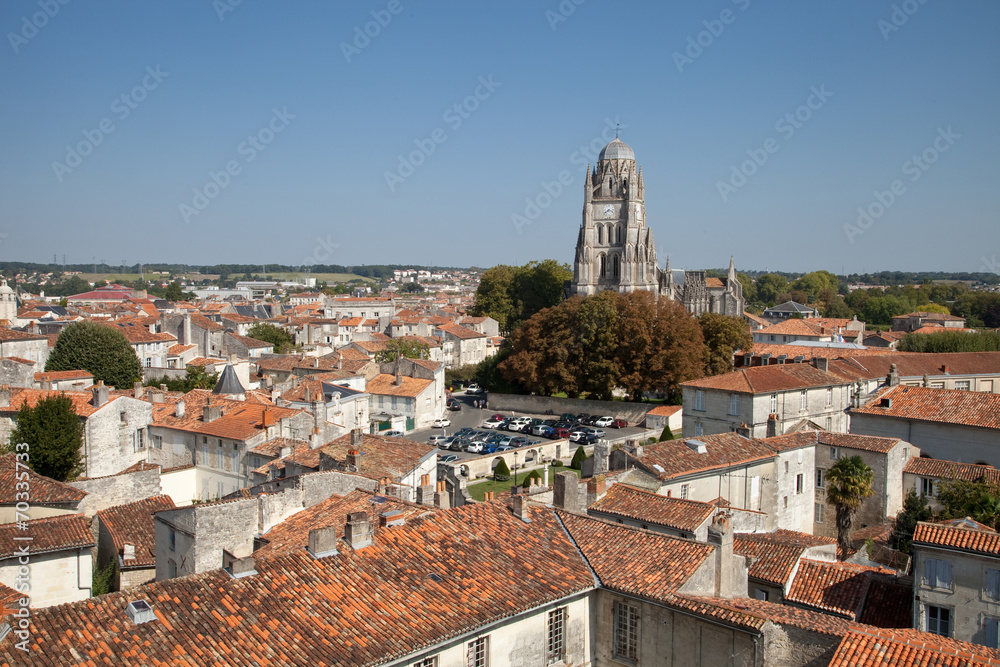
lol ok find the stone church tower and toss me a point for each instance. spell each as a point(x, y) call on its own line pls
point(8, 304)
point(615, 250)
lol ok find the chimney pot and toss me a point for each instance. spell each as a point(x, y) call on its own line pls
point(357, 532)
point(179, 409)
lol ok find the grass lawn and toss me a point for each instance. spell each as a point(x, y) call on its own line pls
point(478, 489)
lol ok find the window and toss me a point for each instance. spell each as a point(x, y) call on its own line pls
point(992, 591)
point(963, 385)
point(479, 652)
point(771, 336)
point(734, 404)
point(626, 632)
point(937, 573)
point(173, 540)
point(699, 399)
point(139, 440)
point(218, 458)
point(799, 483)
point(123, 416)
point(774, 404)
point(556, 637)
point(760, 594)
point(220, 491)
point(684, 491)
point(818, 514)
point(991, 630)
point(803, 400)
point(939, 620)
point(234, 463)
point(927, 487)
point(427, 662)
point(171, 569)
point(786, 466)
point(834, 454)
point(829, 396)
point(784, 501)
point(156, 441)
point(204, 455)
point(820, 473)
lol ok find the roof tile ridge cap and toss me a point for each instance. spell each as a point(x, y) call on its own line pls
point(747, 379)
point(572, 540)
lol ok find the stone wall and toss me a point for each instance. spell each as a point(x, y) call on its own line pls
point(105, 492)
point(634, 413)
point(317, 487)
point(796, 647)
point(55, 577)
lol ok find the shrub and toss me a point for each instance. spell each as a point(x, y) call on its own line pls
point(578, 458)
point(556, 463)
point(502, 472)
point(104, 579)
point(667, 433)
point(530, 476)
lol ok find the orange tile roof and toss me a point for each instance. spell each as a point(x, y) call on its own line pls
point(888, 604)
point(607, 546)
point(969, 472)
point(834, 587)
point(458, 331)
point(381, 456)
point(62, 375)
point(665, 410)
point(767, 379)
point(775, 554)
point(240, 420)
point(876, 647)
point(981, 540)
point(293, 533)
point(133, 524)
point(429, 581)
point(795, 327)
point(385, 385)
point(81, 399)
point(58, 533)
point(673, 458)
point(946, 406)
point(626, 501)
point(43, 490)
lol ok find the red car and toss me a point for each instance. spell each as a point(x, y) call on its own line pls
point(619, 423)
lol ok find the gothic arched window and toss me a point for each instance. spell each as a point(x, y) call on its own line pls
point(618, 234)
point(600, 234)
point(602, 272)
point(617, 268)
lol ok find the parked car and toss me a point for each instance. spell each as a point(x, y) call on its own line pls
point(441, 422)
point(583, 438)
point(604, 421)
point(519, 441)
point(458, 444)
point(473, 389)
point(557, 433)
point(567, 417)
point(620, 423)
point(490, 424)
point(542, 430)
point(454, 405)
point(392, 434)
point(438, 440)
point(447, 458)
point(582, 417)
point(504, 448)
point(465, 429)
point(476, 447)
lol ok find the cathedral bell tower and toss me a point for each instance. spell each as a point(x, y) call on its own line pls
point(615, 250)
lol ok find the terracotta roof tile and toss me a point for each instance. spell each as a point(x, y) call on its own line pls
point(385, 385)
point(767, 379)
point(673, 458)
point(775, 554)
point(626, 501)
point(888, 605)
point(834, 587)
point(133, 524)
point(980, 540)
point(865, 646)
point(62, 375)
point(946, 406)
point(381, 456)
point(43, 490)
point(68, 531)
point(969, 472)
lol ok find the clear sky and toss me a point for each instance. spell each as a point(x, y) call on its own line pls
point(122, 117)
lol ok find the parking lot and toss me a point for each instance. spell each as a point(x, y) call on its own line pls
point(472, 417)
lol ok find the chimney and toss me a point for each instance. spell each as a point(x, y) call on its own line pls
point(927, 380)
point(357, 438)
point(353, 459)
point(163, 388)
point(100, 394)
point(602, 450)
point(520, 506)
point(322, 542)
point(441, 498)
point(128, 552)
point(566, 492)
point(211, 412)
point(944, 369)
point(391, 519)
point(315, 362)
point(315, 439)
point(267, 418)
point(308, 395)
point(597, 486)
point(238, 567)
point(743, 430)
point(285, 452)
point(399, 378)
point(156, 396)
point(46, 385)
point(187, 330)
point(892, 379)
point(358, 531)
point(425, 492)
point(179, 409)
point(821, 363)
point(772, 425)
point(720, 533)
point(137, 389)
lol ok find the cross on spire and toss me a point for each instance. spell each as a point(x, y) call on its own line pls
point(617, 127)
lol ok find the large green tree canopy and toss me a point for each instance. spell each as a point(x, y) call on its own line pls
point(49, 437)
point(512, 294)
point(281, 339)
point(99, 349)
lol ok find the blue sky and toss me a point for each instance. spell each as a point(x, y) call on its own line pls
point(309, 119)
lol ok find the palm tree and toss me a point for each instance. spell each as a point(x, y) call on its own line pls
point(849, 482)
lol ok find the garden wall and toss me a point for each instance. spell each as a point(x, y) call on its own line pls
point(634, 413)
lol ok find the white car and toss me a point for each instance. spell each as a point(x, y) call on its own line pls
point(476, 448)
point(491, 424)
point(472, 389)
point(604, 421)
point(442, 422)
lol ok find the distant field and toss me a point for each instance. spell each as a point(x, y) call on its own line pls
point(328, 277)
point(198, 277)
point(112, 277)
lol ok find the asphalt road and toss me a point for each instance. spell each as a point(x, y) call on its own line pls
point(471, 417)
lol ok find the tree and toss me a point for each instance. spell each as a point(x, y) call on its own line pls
point(724, 335)
point(978, 500)
point(915, 508)
point(501, 472)
point(100, 349)
point(495, 296)
point(578, 458)
point(769, 286)
point(411, 349)
point(53, 434)
point(196, 377)
point(174, 292)
point(951, 341)
point(534, 474)
point(103, 579)
point(512, 294)
point(815, 282)
point(666, 434)
point(269, 333)
point(849, 483)
point(412, 288)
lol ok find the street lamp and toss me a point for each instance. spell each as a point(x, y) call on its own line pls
point(515, 468)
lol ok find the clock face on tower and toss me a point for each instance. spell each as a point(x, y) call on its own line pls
point(609, 211)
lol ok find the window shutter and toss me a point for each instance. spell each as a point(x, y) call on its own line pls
point(993, 584)
point(991, 629)
point(944, 574)
point(929, 572)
